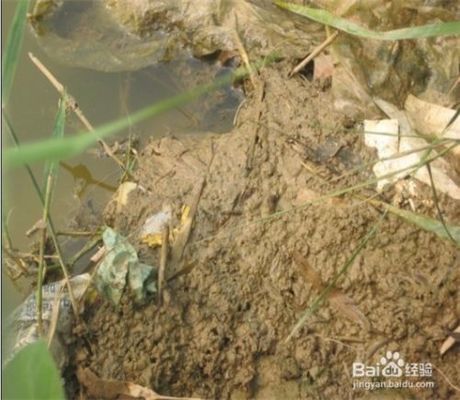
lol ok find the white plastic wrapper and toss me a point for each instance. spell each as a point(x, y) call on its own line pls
point(24, 323)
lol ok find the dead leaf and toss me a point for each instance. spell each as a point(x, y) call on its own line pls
point(309, 274)
point(113, 389)
point(346, 306)
point(324, 66)
point(122, 194)
point(38, 226)
point(450, 341)
point(339, 300)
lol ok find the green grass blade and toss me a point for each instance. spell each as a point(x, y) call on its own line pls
point(322, 297)
point(55, 149)
point(51, 167)
point(13, 48)
point(418, 32)
point(426, 223)
point(50, 179)
point(32, 374)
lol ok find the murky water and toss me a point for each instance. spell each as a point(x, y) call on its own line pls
point(102, 97)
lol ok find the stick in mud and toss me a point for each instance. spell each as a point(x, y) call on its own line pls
point(313, 54)
point(181, 241)
point(73, 105)
point(163, 262)
point(260, 98)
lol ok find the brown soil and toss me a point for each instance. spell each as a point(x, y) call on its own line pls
point(254, 257)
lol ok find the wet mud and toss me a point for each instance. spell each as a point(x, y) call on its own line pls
point(265, 240)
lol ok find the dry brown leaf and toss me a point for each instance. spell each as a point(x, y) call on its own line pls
point(38, 226)
point(113, 389)
point(309, 274)
point(122, 194)
point(324, 66)
point(339, 300)
point(346, 306)
point(450, 341)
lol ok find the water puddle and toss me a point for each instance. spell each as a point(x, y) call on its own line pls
point(90, 179)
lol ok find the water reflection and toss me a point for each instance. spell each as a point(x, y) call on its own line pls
point(102, 97)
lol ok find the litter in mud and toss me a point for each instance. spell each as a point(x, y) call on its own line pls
point(227, 217)
point(453, 338)
point(112, 389)
point(120, 266)
point(154, 226)
point(57, 316)
point(402, 146)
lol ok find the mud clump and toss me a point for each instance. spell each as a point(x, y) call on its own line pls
point(237, 292)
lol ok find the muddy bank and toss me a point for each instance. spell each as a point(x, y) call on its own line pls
point(255, 255)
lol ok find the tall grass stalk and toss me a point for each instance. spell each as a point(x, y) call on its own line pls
point(13, 49)
point(51, 174)
point(35, 185)
point(417, 32)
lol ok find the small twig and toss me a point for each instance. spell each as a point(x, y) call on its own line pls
point(313, 54)
point(52, 231)
point(336, 340)
point(24, 255)
point(15, 258)
point(244, 54)
point(5, 230)
point(73, 105)
point(74, 233)
point(456, 388)
point(250, 157)
point(85, 249)
point(237, 113)
point(454, 85)
point(41, 259)
point(163, 262)
point(376, 346)
point(181, 240)
point(38, 226)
